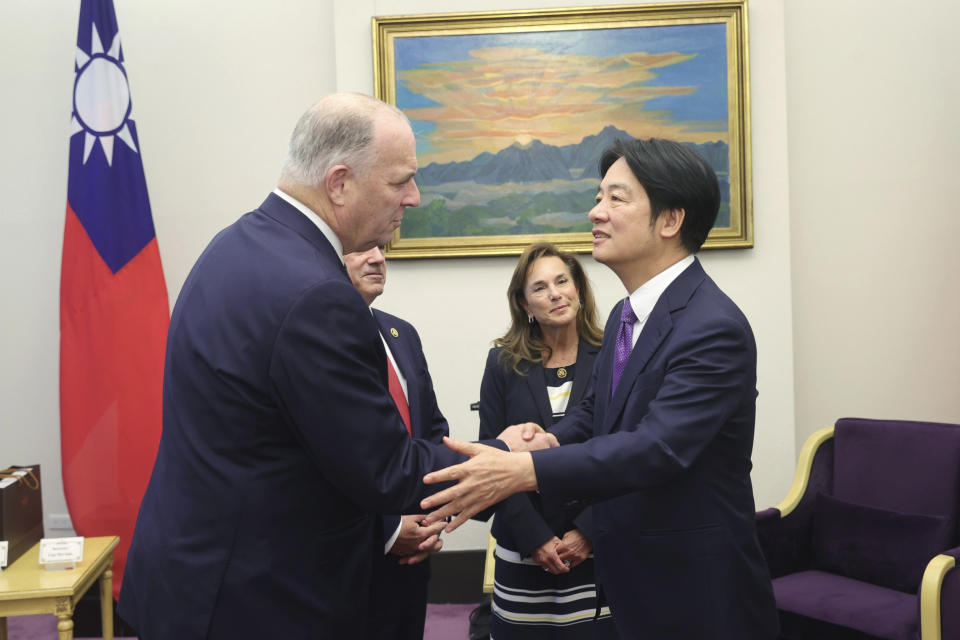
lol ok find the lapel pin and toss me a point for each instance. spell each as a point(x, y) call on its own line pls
point(394, 332)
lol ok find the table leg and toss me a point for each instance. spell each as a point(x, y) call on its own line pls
point(64, 627)
point(3, 629)
point(106, 604)
point(64, 611)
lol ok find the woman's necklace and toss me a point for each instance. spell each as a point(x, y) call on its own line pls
point(572, 358)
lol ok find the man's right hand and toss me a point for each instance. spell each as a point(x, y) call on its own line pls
point(416, 541)
point(489, 476)
point(527, 437)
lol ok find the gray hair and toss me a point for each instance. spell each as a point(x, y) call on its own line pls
point(339, 129)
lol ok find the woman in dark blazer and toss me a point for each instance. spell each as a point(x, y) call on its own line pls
point(544, 584)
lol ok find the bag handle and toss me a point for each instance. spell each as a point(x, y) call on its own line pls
point(28, 479)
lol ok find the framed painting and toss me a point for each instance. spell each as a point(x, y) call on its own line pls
point(511, 110)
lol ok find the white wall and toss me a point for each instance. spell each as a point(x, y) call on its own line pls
point(874, 96)
point(216, 89)
point(459, 306)
point(36, 55)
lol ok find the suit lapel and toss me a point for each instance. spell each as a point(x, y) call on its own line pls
point(537, 382)
point(656, 329)
point(286, 214)
point(604, 367)
point(399, 347)
point(586, 355)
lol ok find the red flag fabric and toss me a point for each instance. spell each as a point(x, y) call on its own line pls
point(113, 300)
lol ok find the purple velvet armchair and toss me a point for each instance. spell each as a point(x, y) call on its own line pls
point(866, 542)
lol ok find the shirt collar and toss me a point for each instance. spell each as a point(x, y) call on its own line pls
point(645, 297)
point(315, 219)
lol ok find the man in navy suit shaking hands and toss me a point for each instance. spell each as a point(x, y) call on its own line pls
point(398, 597)
point(663, 443)
point(281, 441)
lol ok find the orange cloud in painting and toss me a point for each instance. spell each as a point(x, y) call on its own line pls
point(503, 95)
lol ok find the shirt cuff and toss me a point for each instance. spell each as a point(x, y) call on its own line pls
point(393, 538)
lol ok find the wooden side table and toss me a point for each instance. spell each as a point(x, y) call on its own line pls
point(26, 588)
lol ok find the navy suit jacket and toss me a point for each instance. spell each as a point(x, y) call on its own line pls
point(426, 421)
point(399, 592)
point(675, 545)
point(280, 442)
point(507, 398)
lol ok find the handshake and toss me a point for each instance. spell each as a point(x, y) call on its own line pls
point(527, 437)
point(489, 476)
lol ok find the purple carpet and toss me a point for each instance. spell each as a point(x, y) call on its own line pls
point(444, 622)
point(41, 627)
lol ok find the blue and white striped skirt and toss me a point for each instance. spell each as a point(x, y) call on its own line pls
point(532, 604)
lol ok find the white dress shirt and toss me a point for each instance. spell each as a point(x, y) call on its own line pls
point(315, 219)
point(645, 297)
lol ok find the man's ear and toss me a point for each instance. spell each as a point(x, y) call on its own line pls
point(670, 221)
point(335, 183)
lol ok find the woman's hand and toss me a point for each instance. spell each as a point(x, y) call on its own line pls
point(546, 556)
point(574, 548)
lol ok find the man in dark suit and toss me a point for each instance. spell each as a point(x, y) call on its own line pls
point(398, 597)
point(280, 440)
point(665, 439)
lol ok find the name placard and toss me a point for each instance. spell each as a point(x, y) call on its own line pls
point(61, 553)
point(3, 553)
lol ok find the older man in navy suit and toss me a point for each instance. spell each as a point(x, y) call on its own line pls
point(280, 439)
point(666, 437)
point(398, 597)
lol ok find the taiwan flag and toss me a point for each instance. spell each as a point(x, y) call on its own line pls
point(113, 301)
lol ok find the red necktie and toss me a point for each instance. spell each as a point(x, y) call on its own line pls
point(397, 392)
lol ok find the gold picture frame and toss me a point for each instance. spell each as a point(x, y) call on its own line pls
point(511, 109)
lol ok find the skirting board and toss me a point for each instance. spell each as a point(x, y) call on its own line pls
point(456, 577)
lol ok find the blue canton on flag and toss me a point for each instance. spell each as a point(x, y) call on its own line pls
point(106, 189)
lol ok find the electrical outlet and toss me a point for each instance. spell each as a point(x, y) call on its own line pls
point(60, 522)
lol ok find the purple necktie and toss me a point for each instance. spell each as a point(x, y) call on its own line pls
point(624, 343)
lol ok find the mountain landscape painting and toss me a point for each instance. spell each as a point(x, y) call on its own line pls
point(510, 125)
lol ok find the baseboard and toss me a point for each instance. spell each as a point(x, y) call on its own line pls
point(86, 617)
point(456, 576)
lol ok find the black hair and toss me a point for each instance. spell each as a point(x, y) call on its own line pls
point(674, 177)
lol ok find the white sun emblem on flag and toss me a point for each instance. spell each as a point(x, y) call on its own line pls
point(101, 98)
